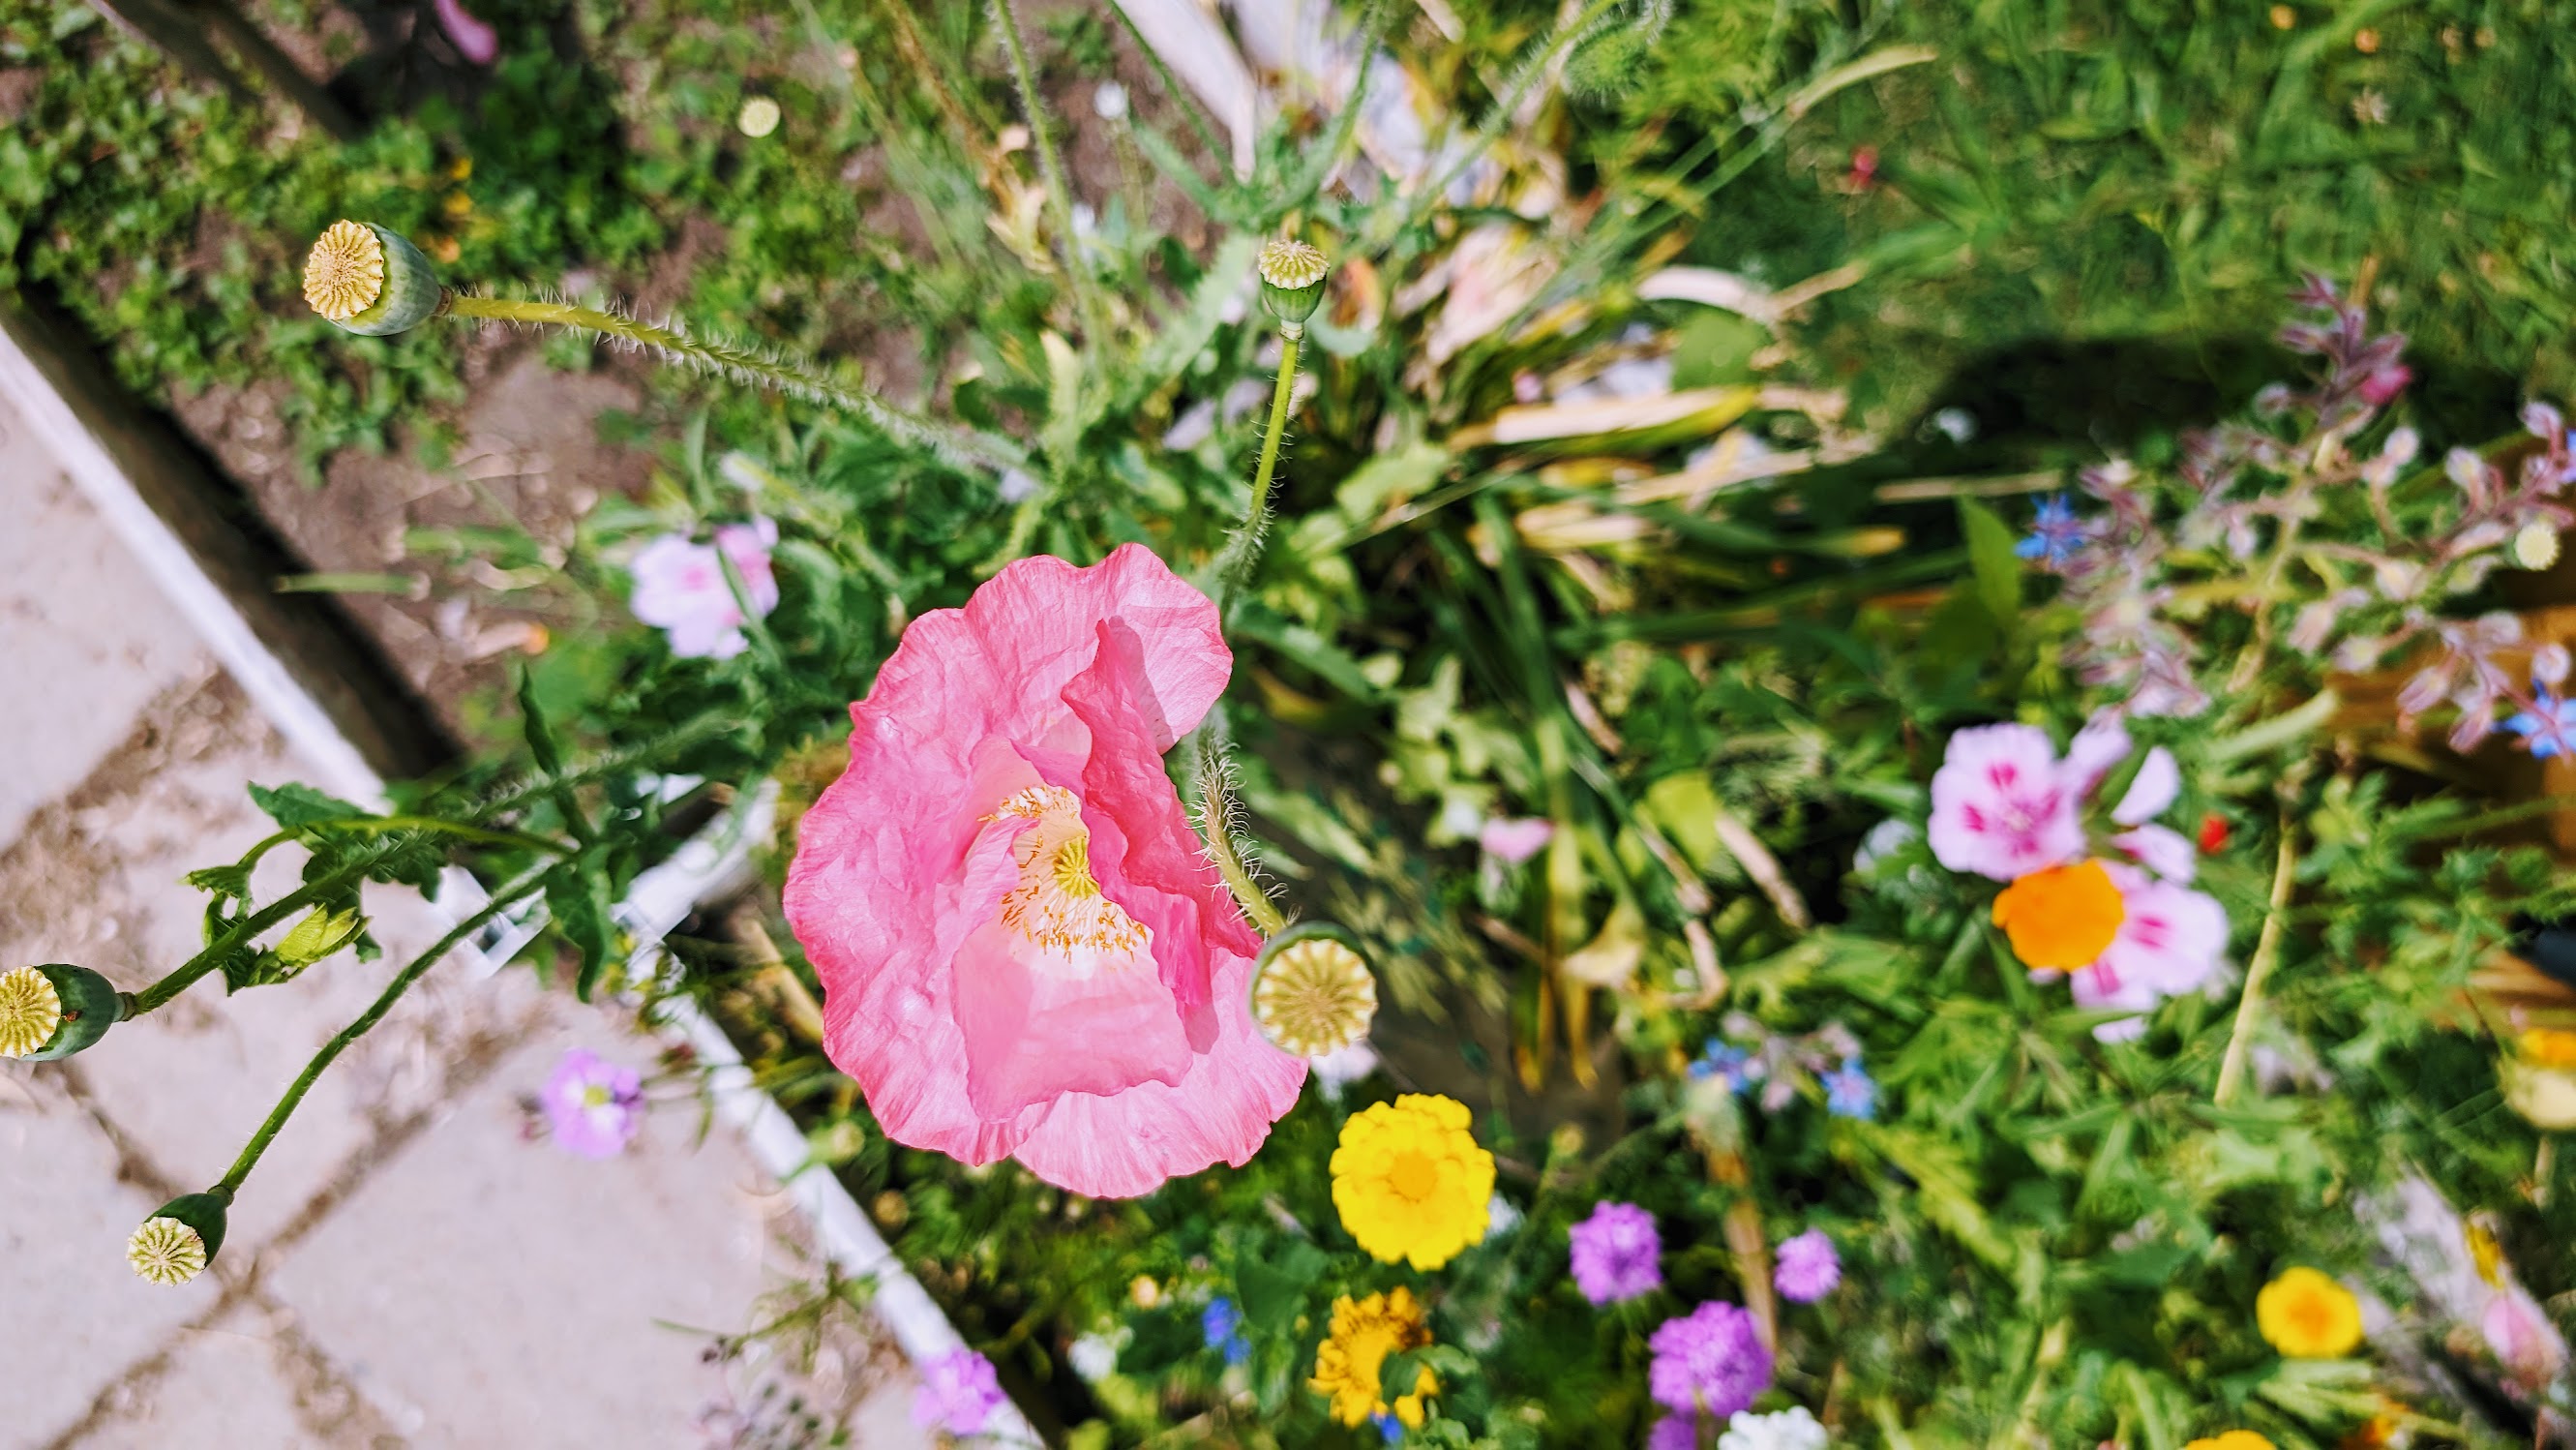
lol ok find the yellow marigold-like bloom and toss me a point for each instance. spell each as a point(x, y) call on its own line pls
point(30, 1010)
point(166, 1251)
point(1365, 1332)
point(2232, 1440)
point(346, 272)
point(2307, 1315)
point(2061, 918)
point(1314, 996)
point(1410, 1181)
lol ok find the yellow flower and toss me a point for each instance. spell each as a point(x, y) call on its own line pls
point(2232, 1440)
point(1365, 1332)
point(1410, 1181)
point(2061, 918)
point(2306, 1315)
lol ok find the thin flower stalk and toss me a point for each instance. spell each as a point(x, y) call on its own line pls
point(746, 365)
point(2267, 950)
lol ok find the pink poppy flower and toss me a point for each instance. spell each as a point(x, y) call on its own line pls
point(2170, 941)
point(680, 588)
point(2001, 807)
point(1023, 951)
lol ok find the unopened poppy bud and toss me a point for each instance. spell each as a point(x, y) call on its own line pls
point(176, 1243)
point(54, 1011)
point(370, 281)
point(1312, 992)
point(1292, 281)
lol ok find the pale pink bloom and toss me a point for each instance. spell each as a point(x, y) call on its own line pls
point(2001, 806)
point(2523, 1339)
point(2170, 941)
point(680, 588)
point(2161, 849)
point(1023, 951)
point(476, 41)
point(1514, 841)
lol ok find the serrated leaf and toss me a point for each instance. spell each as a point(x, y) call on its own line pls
point(295, 805)
point(577, 900)
point(232, 881)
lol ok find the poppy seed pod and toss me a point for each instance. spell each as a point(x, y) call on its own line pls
point(180, 1239)
point(55, 1010)
point(1312, 993)
point(1292, 281)
point(371, 281)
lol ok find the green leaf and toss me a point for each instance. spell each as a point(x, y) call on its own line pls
point(295, 805)
point(1272, 1295)
point(1991, 560)
point(577, 900)
point(233, 881)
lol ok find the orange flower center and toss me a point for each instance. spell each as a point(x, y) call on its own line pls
point(2549, 1047)
point(2061, 918)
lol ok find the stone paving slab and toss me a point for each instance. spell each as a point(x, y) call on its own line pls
point(407, 1268)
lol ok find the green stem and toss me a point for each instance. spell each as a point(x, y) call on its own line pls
point(1234, 568)
point(695, 732)
point(186, 974)
point(1086, 292)
point(1258, 908)
point(742, 364)
point(402, 982)
point(2267, 950)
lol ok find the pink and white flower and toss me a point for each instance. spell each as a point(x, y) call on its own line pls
point(2171, 941)
point(1022, 949)
point(681, 589)
point(2001, 804)
point(1512, 841)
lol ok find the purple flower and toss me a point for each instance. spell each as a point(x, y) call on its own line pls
point(1674, 1432)
point(959, 1393)
point(2381, 385)
point(1808, 1269)
point(2549, 725)
point(1710, 1361)
point(1222, 1326)
point(1849, 1093)
point(1389, 1428)
point(1615, 1253)
point(1725, 1060)
point(594, 1105)
point(476, 41)
point(1514, 841)
point(2055, 534)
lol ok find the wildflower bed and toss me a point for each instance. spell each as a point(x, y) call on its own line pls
point(1602, 901)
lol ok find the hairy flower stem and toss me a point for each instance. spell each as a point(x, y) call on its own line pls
point(1234, 566)
point(1086, 290)
point(501, 901)
point(1217, 829)
point(2267, 950)
point(673, 341)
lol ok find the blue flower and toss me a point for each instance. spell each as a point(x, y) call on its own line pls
point(1388, 1426)
point(1724, 1060)
point(1222, 1324)
point(1849, 1093)
point(2055, 534)
point(2549, 725)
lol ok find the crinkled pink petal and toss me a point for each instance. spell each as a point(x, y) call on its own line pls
point(475, 41)
point(1081, 680)
point(1118, 1147)
point(2161, 849)
point(2000, 805)
point(1143, 850)
point(2170, 940)
point(2154, 787)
